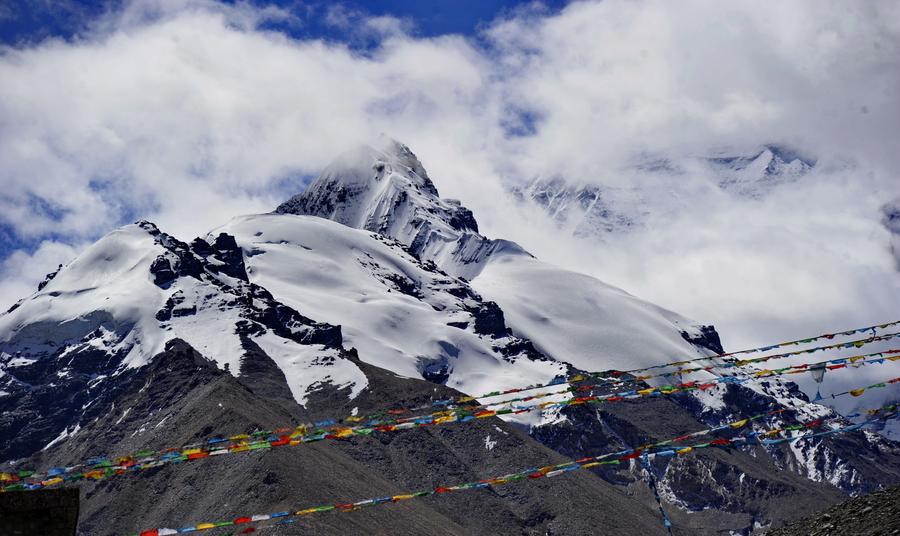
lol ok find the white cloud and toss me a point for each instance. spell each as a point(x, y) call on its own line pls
point(185, 113)
point(20, 273)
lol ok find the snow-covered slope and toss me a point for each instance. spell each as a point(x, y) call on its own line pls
point(119, 302)
point(400, 313)
point(580, 320)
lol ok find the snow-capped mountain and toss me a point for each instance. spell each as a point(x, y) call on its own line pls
point(755, 174)
point(281, 284)
point(593, 210)
point(367, 290)
point(569, 317)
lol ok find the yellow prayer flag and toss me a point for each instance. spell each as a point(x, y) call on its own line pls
point(857, 392)
point(739, 424)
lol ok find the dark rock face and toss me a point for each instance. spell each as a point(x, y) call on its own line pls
point(869, 515)
point(226, 250)
point(708, 338)
point(462, 219)
point(435, 370)
point(489, 320)
point(163, 274)
point(740, 490)
point(31, 417)
point(49, 277)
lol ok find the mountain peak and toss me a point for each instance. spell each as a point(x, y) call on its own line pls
point(365, 186)
point(384, 188)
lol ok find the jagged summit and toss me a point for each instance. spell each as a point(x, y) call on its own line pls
point(753, 175)
point(366, 187)
point(384, 188)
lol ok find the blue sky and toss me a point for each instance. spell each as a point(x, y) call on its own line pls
point(28, 21)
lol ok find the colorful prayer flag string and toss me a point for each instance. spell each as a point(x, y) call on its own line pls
point(99, 468)
point(550, 471)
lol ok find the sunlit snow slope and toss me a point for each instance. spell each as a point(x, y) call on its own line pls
point(401, 314)
point(580, 320)
point(137, 288)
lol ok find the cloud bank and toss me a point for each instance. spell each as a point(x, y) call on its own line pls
point(191, 112)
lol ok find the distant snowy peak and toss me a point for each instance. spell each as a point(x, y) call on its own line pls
point(753, 175)
point(387, 190)
point(593, 210)
point(586, 210)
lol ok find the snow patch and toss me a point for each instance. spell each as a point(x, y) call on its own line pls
point(309, 367)
point(62, 436)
